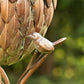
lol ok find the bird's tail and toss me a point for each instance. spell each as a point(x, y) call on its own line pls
point(59, 41)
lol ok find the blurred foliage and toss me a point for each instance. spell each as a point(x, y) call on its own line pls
point(68, 58)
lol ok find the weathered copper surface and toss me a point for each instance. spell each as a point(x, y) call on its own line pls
point(18, 19)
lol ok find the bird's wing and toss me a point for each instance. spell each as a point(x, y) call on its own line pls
point(45, 44)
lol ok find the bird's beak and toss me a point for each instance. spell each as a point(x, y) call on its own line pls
point(30, 36)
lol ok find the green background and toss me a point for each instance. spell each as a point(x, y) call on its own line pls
point(66, 64)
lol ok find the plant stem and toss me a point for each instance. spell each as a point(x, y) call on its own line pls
point(0, 78)
point(3, 74)
point(31, 71)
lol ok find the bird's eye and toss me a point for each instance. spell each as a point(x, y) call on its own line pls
point(34, 35)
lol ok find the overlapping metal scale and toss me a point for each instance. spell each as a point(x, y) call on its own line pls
point(18, 19)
